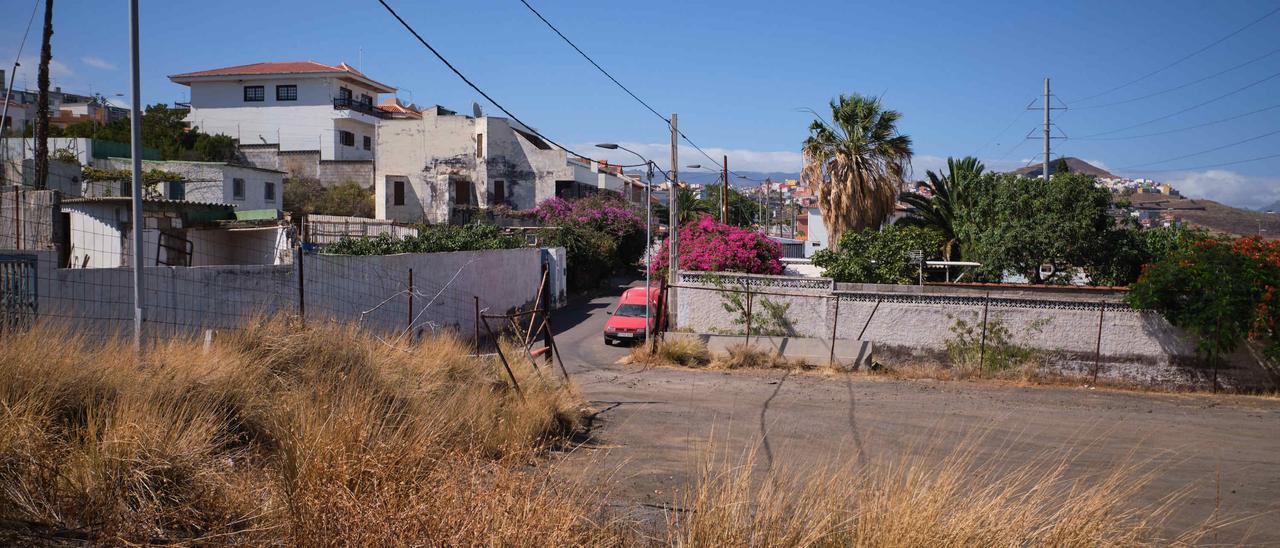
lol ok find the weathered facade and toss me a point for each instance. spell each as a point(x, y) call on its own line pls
point(438, 168)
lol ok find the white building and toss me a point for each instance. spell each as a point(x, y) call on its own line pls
point(242, 187)
point(175, 233)
point(299, 106)
point(442, 166)
point(816, 237)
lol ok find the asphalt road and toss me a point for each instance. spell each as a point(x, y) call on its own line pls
point(655, 428)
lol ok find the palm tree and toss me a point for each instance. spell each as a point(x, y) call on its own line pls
point(950, 195)
point(855, 164)
point(689, 207)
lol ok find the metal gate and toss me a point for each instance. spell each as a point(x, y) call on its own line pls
point(18, 294)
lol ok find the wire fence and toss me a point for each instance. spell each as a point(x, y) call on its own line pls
point(68, 258)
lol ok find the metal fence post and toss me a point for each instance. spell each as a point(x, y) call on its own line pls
point(982, 352)
point(302, 288)
point(410, 324)
point(477, 325)
point(748, 340)
point(835, 320)
point(1097, 351)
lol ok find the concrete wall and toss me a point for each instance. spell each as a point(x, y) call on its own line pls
point(372, 291)
point(914, 323)
point(28, 219)
point(307, 164)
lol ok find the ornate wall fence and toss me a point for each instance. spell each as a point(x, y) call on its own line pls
point(1071, 328)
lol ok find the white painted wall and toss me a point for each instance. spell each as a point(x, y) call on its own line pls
point(212, 182)
point(187, 300)
point(310, 123)
point(817, 235)
point(96, 237)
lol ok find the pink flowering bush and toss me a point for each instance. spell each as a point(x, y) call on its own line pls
point(601, 233)
point(711, 246)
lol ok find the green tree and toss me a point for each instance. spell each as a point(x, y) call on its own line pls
point(879, 256)
point(950, 198)
point(1019, 224)
point(856, 164)
point(742, 209)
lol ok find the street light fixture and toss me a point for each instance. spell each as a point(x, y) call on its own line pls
point(648, 227)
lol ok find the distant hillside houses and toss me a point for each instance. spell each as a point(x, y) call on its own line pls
point(1126, 185)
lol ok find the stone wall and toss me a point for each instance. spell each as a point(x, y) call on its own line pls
point(306, 164)
point(914, 323)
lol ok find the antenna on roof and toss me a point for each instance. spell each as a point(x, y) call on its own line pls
point(475, 110)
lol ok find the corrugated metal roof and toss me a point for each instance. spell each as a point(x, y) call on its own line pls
point(154, 201)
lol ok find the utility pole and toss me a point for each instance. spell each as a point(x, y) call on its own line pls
point(42, 101)
point(135, 151)
point(1046, 130)
point(672, 222)
point(724, 190)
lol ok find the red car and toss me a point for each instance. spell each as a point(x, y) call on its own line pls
point(626, 322)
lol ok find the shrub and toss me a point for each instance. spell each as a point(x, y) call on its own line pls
point(971, 350)
point(430, 239)
point(1222, 292)
point(710, 246)
point(309, 196)
point(602, 234)
point(880, 256)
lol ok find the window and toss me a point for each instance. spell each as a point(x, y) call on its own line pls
point(237, 189)
point(499, 192)
point(287, 93)
point(254, 94)
point(366, 99)
point(344, 94)
point(177, 191)
point(368, 143)
point(461, 192)
point(397, 193)
point(479, 145)
point(269, 191)
point(347, 138)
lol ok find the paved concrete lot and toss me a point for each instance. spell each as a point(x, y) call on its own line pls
point(656, 425)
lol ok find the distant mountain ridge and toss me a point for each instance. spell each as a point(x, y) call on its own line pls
point(1075, 165)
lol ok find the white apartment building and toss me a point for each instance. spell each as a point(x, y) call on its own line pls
point(442, 166)
point(299, 106)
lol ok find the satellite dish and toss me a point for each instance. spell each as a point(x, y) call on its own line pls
point(475, 110)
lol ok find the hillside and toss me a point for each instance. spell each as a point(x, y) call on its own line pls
point(1211, 215)
point(1076, 165)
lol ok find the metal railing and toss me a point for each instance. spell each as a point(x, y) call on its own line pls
point(348, 103)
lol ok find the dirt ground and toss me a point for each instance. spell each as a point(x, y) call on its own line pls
point(657, 426)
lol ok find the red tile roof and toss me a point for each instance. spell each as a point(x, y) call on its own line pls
point(285, 67)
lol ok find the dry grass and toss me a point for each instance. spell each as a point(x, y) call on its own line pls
point(278, 435)
point(922, 500)
point(673, 351)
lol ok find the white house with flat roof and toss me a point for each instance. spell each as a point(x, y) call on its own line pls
point(443, 166)
point(297, 105)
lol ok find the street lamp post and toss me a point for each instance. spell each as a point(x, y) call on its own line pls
point(648, 226)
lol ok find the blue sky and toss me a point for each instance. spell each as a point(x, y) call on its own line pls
point(738, 72)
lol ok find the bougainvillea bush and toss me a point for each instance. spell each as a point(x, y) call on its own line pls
point(710, 246)
point(601, 234)
point(1222, 291)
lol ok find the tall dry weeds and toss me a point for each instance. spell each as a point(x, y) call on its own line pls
point(278, 434)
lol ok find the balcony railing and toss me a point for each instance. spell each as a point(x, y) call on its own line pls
point(345, 103)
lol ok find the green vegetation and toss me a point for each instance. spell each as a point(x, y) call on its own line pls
point(163, 128)
point(990, 348)
point(880, 256)
point(950, 196)
point(602, 234)
point(308, 196)
point(430, 239)
point(768, 317)
point(1223, 292)
point(857, 162)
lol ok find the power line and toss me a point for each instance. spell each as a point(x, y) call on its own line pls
point(1179, 130)
point(1183, 58)
point(619, 84)
point(1015, 119)
point(1223, 164)
point(1214, 149)
point(1188, 84)
point(1188, 109)
point(466, 80)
